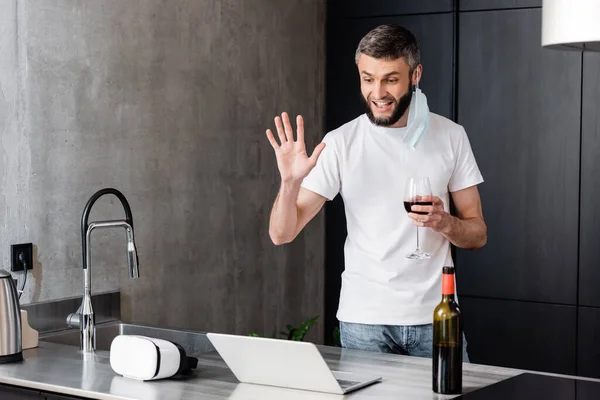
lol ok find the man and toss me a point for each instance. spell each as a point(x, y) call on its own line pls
point(387, 300)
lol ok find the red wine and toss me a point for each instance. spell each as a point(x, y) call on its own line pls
point(409, 204)
point(447, 369)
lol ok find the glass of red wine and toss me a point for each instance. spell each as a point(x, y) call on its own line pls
point(418, 192)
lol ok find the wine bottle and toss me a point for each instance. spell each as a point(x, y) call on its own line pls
point(447, 340)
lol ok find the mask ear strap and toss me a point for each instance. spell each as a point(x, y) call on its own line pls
point(418, 80)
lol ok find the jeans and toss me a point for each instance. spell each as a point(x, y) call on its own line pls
point(411, 340)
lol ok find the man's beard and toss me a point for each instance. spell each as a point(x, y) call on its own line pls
point(397, 113)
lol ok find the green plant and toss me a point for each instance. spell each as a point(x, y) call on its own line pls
point(298, 333)
point(295, 333)
point(336, 337)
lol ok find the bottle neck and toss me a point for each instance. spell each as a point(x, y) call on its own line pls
point(447, 287)
point(447, 298)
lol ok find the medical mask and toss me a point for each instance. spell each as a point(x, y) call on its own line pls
point(418, 119)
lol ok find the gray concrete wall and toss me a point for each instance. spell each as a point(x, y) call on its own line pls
point(167, 102)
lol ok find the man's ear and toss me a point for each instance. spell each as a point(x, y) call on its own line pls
point(417, 74)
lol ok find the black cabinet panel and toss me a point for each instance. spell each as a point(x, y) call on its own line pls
point(61, 397)
point(374, 8)
point(520, 106)
point(586, 390)
point(8, 392)
point(533, 336)
point(343, 103)
point(467, 5)
point(17, 393)
point(335, 237)
point(434, 34)
point(588, 350)
point(589, 261)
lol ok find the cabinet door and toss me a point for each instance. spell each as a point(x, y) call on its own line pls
point(520, 106)
point(434, 33)
point(588, 351)
point(372, 8)
point(516, 334)
point(589, 260)
point(17, 393)
point(468, 5)
point(61, 397)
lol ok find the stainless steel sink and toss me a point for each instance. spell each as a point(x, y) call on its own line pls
point(193, 342)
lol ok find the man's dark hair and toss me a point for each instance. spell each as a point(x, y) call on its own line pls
point(390, 42)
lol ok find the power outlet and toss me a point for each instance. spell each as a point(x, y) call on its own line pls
point(21, 255)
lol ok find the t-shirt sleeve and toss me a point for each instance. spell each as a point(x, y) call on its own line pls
point(466, 172)
point(324, 178)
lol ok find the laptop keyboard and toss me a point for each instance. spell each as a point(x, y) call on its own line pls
point(346, 384)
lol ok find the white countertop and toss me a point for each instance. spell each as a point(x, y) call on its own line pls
point(62, 369)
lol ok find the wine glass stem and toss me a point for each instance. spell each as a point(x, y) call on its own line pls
point(418, 245)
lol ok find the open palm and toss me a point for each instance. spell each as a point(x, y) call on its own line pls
point(292, 160)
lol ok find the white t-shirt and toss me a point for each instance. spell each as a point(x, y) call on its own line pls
point(369, 166)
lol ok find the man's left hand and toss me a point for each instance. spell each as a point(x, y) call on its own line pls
point(434, 216)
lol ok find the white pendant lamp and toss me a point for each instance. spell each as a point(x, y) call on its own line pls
point(571, 25)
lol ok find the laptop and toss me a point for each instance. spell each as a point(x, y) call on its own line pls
point(284, 363)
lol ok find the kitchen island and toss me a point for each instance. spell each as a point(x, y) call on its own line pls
point(52, 370)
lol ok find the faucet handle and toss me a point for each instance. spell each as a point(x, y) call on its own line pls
point(73, 320)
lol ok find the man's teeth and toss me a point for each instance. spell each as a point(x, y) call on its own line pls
point(382, 104)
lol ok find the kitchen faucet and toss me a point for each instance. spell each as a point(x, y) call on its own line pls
point(84, 317)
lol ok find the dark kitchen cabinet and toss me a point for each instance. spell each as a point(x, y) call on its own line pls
point(17, 393)
point(588, 351)
point(343, 103)
point(589, 261)
point(471, 5)
point(520, 106)
point(8, 392)
point(518, 334)
point(434, 33)
point(374, 8)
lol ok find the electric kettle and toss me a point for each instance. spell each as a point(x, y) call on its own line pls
point(11, 347)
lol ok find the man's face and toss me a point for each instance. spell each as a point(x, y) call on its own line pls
point(386, 88)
